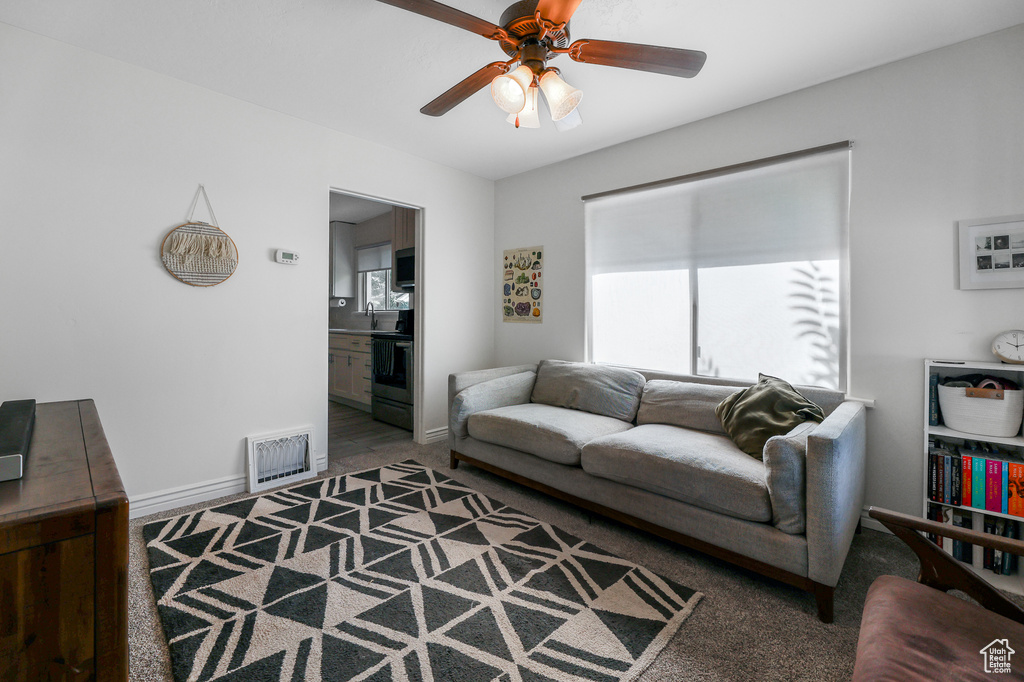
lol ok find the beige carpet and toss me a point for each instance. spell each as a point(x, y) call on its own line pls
point(747, 627)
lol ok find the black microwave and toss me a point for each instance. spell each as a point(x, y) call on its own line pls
point(405, 268)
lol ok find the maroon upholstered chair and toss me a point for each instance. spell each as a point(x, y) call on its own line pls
point(915, 631)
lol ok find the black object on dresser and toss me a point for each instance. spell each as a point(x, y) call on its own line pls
point(17, 417)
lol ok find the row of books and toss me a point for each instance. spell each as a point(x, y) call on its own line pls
point(960, 476)
point(992, 559)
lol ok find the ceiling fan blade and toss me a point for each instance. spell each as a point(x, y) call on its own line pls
point(557, 11)
point(667, 60)
point(457, 94)
point(449, 15)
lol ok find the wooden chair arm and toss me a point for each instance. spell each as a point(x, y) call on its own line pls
point(975, 537)
point(940, 570)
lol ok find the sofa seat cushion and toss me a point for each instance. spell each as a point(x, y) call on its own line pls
point(703, 469)
point(912, 632)
point(552, 433)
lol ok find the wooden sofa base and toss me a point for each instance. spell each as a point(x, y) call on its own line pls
point(823, 594)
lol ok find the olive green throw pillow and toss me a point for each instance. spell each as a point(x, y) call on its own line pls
point(771, 407)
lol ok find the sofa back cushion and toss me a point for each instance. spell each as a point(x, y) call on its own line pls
point(785, 464)
point(681, 403)
point(598, 389)
point(826, 398)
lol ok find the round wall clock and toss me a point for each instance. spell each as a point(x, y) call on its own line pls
point(1008, 346)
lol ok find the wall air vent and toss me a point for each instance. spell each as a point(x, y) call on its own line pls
point(280, 458)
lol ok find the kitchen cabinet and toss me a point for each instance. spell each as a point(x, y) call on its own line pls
point(343, 267)
point(340, 374)
point(403, 236)
point(349, 367)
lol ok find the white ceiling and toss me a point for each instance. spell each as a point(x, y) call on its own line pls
point(365, 68)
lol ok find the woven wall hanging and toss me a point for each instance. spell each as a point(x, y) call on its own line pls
point(198, 253)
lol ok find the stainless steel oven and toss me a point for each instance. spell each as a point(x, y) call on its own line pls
point(392, 378)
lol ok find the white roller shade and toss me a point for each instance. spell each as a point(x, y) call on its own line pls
point(795, 210)
point(373, 257)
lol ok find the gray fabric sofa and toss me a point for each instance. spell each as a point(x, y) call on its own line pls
point(647, 449)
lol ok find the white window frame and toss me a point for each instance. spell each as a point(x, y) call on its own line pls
point(363, 281)
point(694, 302)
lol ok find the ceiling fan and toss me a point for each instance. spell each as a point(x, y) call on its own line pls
point(531, 33)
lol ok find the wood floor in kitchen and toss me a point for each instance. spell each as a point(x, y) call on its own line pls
point(351, 431)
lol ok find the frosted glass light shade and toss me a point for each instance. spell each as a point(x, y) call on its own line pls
point(529, 117)
point(571, 120)
point(509, 90)
point(562, 98)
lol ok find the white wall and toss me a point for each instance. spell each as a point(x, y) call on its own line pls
point(98, 160)
point(939, 138)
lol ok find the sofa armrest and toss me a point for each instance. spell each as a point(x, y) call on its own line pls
point(462, 380)
point(836, 461)
point(485, 389)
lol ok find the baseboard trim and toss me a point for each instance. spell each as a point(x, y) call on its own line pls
point(204, 491)
point(435, 435)
point(162, 500)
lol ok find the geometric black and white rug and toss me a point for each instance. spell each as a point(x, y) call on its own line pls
point(399, 573)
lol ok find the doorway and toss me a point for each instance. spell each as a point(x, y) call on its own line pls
point(373, 338)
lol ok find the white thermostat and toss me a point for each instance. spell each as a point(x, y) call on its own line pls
point(288, 257)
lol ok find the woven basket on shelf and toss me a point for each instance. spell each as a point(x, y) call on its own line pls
point(981, 416)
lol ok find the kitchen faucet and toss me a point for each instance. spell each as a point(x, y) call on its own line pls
point(372, 314)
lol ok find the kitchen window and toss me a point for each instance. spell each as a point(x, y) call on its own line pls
point(375, 288)
point(728, 273)
point(374, 266)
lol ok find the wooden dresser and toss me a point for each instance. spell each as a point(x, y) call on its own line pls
point(64, 554)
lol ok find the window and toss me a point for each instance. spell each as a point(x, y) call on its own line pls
point(725, 274)
point(374, 266)
point(375, 288)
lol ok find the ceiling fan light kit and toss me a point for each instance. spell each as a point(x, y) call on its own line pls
point(573, 120)
point(509, 90)
point(529, 117)
point(532, 32)
point(562, 98)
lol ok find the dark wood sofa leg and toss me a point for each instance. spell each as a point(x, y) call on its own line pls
point(453, 463)
point(823, 594)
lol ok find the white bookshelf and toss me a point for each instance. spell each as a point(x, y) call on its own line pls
point(947, 368)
